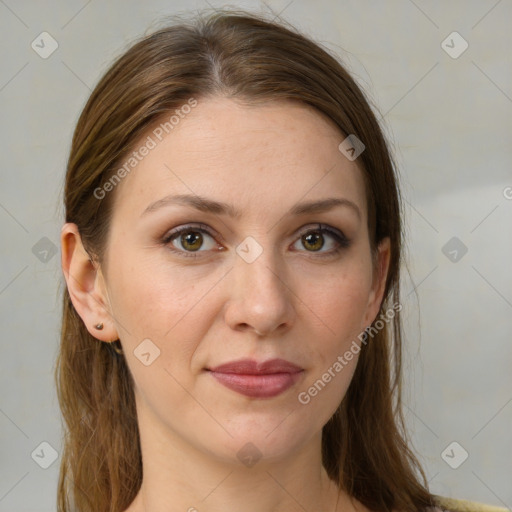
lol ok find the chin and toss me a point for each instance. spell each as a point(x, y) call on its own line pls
point(268, 440)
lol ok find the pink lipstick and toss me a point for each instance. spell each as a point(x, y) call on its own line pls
point(258, 380)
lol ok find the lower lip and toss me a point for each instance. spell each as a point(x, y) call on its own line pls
point(258, 386)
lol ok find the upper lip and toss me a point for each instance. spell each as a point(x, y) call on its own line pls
point(253, 367)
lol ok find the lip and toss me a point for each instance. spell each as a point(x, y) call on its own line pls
point(255, 379)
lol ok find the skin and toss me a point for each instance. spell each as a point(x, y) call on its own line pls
point(290, 302)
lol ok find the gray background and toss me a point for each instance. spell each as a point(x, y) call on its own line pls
point(449, 122)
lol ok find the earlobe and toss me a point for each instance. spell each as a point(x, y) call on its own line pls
point(85, 284)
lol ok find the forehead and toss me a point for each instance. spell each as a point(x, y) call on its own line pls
point(249, 155)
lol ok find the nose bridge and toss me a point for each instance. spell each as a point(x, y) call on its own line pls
point(258, 266)
point(260, 296)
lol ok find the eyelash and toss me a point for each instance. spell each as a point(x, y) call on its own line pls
point(342, 241)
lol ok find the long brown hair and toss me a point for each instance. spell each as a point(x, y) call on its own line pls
point(243, 56)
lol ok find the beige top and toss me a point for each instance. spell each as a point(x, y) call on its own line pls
point(456, 505)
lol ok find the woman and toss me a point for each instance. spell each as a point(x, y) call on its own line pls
point(231, 328)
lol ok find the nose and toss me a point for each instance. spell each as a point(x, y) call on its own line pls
point(260, 297)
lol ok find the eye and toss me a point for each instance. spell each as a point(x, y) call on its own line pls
point(314, 239)
point(190, 238)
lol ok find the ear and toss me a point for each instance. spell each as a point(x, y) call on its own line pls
point(380, 273)
point(86, 285)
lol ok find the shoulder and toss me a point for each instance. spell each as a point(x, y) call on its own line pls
point(445, 504)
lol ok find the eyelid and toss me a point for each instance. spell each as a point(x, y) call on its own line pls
point(341, 239)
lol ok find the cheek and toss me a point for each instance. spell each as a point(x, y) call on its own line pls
point(338, 304)
point(151, 295)
point(339, 299)
point(164, 307)
point(166, 304)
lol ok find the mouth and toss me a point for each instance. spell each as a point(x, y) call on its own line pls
point(254, 379)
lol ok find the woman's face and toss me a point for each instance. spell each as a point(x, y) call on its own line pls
point(262, 284)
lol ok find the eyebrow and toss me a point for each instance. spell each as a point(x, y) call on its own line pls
point(220, 208)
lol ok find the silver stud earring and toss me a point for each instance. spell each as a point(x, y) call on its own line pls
point(99, 327)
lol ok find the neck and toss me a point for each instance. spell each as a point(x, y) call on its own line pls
point(180, 477)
